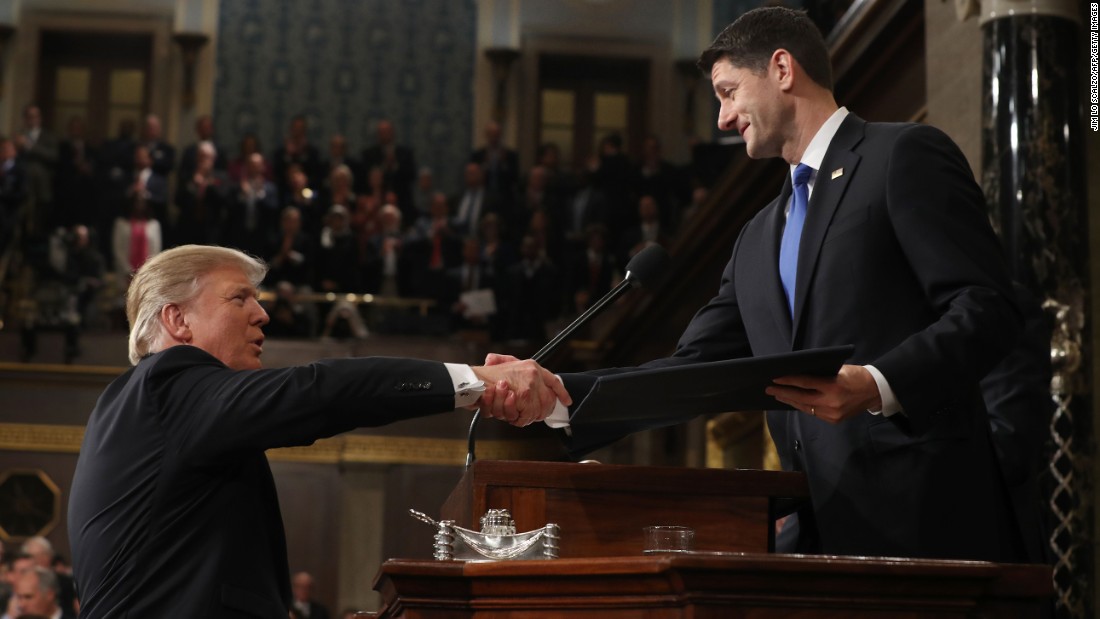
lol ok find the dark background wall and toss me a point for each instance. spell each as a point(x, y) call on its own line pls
point(345, 64)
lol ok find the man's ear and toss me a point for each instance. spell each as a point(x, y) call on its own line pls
point(782, 68)
point(175, 323)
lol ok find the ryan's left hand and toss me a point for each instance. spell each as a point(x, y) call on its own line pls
point(851, 392)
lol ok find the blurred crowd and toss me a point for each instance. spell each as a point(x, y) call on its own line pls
point(509, 251)
point(37, 583)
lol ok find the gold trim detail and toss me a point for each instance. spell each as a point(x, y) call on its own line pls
point(55, 509)
point(357, 448)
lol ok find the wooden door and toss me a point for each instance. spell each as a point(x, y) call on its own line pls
point(100, 77)
point(584, 99)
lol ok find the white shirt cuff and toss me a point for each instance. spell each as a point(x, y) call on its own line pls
point(467, 386)
point(559, 418)
point(890, 404)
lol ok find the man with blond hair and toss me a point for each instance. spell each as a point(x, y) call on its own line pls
point(173, 503)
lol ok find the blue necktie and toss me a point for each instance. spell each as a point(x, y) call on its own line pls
point(792, 232)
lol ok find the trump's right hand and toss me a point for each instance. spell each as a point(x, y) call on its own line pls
point(519, 392)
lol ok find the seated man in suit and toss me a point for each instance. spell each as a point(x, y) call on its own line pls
point(173, 503)
point(304, 604)
point(35, 592)
point(878, 240)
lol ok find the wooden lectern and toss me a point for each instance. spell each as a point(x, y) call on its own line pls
point(602, 508)
point(602, 573)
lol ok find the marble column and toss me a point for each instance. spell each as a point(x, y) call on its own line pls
point(1033, 177)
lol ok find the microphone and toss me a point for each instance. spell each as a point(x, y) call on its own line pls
point(642, 269)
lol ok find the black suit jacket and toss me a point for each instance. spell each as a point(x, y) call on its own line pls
point(173, 510)
point(898, 259)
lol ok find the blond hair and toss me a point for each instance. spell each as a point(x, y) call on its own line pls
point(172, 277)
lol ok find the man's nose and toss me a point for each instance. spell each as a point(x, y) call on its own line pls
point(727, 118)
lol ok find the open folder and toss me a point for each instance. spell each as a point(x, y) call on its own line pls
point(665, 396)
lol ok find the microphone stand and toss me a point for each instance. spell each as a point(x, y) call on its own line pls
point(545, 351)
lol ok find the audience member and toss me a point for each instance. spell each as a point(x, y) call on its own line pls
point(474, 201)
point(425, 189)
point(470, 291)
point(238, 166)
point(398, 166)
point(291, 256)
point(337, 257)
point(376, 187)
point(339, 188)
point(586, 207)
point(559, 182)
point(297, 149)
point(301, 587)
point(290, 317)
point(252, 210)
point(658, 178)
point(67, 282)
point(309, 202)
point(591, 276)
point(533, 293)
point(648, 231)
point(614, 177)
point(544, 227)
point(200, 199)
point(145, 181)
point(76, 178)
point(40, 550)
point(161, 153)
point(136, 238)
point(500, 164)
point(37, 148)
point(117, 154)
point(204, 134)
point(338, 156)
point(497, 252)
point(536, 196)
point(387, 268)
point(36, 592)
point(699, 197)
point(13, 192)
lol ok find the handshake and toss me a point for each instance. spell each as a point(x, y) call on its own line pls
point(519, 392)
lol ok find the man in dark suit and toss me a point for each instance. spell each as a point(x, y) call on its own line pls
point(75, 181)
point(35, 593)
point(204, 134)
point(37, 148)
point(398, 164)
point(173, 507)
point(162, 154)
point(887, 248)
point(304, 604)
point(501, 164)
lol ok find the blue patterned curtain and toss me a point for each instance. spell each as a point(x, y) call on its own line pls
point(345, 64)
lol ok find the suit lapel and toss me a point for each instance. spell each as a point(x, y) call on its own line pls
point(828, 190)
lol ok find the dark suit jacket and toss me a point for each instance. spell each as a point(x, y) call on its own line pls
point(173, 510)
point(898, 259)
point(400, 176)
point(163, 155)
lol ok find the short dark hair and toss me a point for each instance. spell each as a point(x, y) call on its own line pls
point(751, 39)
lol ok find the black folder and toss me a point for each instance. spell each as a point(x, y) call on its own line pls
point(665, 396)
